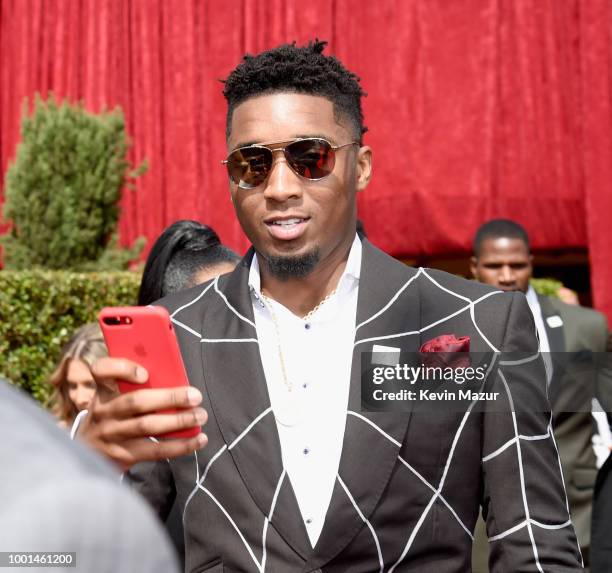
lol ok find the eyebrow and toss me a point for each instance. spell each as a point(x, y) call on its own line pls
point(504, 264)
point(264, 143)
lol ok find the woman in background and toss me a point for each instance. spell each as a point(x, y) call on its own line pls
point(74, 386)
point(186, 254)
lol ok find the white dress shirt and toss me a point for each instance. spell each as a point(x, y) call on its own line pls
point(317, 356)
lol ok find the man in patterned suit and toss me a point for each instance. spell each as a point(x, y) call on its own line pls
point(295, 477)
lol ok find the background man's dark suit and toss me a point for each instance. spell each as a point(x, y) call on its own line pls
point(601, 538)
point(409, 486)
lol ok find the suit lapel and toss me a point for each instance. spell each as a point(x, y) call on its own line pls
point(368, 457)
point(235, 381)
point(556, 343)
point(556, 338)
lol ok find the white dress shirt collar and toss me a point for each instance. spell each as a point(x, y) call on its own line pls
point(536, 310)
point(532, 298)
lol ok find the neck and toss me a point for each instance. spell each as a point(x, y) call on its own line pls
point(301, 295)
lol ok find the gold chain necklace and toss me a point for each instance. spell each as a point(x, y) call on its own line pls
point(279, 348)
point(281, 355)
point(308, 315)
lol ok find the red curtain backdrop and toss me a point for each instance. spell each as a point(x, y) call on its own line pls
point(476, 108)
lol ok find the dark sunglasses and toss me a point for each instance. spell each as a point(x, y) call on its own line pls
point(312, 158)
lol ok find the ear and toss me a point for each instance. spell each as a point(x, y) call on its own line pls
point(474, 266)
point(364, 167)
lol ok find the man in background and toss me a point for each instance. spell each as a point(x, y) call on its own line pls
point(502, 259)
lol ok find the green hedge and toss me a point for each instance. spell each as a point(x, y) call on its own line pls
point(39, 310)
point(546, 286)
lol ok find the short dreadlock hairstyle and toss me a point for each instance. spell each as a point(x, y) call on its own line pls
point(303, 70)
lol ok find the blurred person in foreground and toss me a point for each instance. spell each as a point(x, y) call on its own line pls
point(59, 496)
point(186, 254)
point(73, 383)
point(295, 476)
point(502, 259)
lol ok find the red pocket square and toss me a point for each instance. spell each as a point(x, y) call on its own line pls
point(443, 351)
point(446, 343)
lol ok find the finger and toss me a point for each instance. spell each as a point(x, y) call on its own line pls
point(122, 369)
point(105, 390)
point(116, 431)
point(146, 401)
point(140, 450)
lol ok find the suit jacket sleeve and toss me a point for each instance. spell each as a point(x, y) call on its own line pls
point(524, 499)
point(155, 482)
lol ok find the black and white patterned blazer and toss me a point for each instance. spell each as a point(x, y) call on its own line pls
point(409, 486)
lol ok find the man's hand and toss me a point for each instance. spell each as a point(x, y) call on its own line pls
point(118, 426)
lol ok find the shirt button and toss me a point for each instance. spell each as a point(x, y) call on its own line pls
point(308, 521)
point(306, 451)
point(307, 326)
point(305, 385)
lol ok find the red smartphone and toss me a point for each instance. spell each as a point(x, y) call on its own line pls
point(144, 334)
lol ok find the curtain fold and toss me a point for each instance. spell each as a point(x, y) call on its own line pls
point(596, 34)
point(476, 108)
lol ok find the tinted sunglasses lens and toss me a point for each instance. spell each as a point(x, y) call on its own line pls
point(249, 166)
point(311, 158)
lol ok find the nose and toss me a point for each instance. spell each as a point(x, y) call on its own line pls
point(506, 275)
point(282, 183)
point(83, 397)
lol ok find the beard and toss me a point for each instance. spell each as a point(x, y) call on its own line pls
point(292, 267)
